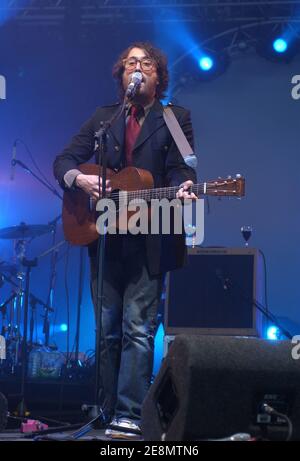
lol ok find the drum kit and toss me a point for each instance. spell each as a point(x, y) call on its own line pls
point(18, 311)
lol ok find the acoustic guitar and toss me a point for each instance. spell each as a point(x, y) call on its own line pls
point(79, 213)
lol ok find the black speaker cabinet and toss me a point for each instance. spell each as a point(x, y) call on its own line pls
point(211, 387)
point(214, 293)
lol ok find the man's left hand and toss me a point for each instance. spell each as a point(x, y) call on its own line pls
point(184, 191)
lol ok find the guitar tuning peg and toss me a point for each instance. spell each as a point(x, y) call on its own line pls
point(229, 177)
point(238, 175)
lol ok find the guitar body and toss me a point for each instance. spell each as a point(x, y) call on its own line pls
point(79, 213)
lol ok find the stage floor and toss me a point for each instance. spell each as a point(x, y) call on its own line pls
point(94, 435)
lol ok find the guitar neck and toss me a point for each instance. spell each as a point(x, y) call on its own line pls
point(231, 187)
point(166, 192)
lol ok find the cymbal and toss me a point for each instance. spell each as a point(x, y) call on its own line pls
point(24, 231)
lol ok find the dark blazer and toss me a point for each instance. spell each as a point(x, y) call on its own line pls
point(155, 151)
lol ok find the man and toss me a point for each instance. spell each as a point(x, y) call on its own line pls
point(134, 264)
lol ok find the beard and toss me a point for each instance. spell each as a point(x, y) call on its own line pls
point(145, 93)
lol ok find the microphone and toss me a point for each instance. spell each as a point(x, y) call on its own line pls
point(13, 161)
point(136, 80)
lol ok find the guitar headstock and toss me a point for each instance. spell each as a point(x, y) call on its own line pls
point(233, 187)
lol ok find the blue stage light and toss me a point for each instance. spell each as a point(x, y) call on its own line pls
point(280, 45)
point(278, 48)
point(206, 63)
point(158, 348)
point(7, 11)
point(63, 327)
point(273, 333)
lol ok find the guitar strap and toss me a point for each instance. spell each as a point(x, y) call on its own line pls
point(179, 137)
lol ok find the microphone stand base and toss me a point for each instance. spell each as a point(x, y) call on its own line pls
point(91, 411)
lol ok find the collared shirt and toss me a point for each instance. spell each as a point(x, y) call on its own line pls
point(143, 114)
point(71, 175)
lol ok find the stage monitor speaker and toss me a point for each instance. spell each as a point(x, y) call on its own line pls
point(214, 293)
point(211, 387)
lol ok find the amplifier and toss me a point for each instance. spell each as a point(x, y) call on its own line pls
point(216, 293)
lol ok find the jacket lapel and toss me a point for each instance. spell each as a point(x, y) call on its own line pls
point(117, 129)
point(153, 121)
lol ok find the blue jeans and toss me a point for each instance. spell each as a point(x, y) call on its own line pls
point(130, 301)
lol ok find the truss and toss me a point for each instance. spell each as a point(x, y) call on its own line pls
point(95, 12)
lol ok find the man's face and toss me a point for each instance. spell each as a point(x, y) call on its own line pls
point(147, 90)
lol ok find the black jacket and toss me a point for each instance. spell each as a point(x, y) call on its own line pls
point(155, 151)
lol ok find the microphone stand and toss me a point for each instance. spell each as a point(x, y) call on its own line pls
point(101, 140)
point(29, 170)
point(227, 284)
point(79, 303)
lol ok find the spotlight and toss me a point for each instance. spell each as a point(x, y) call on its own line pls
point(206, 63)
point(278, 48)
point(211, 65)
point(273, 333)
point(280, 45)
point(63, 327)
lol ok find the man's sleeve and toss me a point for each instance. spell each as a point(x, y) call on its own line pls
point(177, 170)
point(80, 150)
point(70, 177)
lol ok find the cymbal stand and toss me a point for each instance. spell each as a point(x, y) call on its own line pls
point(49, 302)
point(12, 344)
point(28, 264)
point(20, 248)
point(33, 303)
point(3, 310)
point(9, 363)
point(16, 315)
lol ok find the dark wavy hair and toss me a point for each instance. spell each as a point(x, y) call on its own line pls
point(152, 52)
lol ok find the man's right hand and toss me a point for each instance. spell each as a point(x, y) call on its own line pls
point(89, 183)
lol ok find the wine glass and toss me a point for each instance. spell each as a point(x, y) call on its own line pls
point(246, 232)
point(190, 232)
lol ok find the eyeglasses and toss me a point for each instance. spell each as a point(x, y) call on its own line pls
point(147, 64)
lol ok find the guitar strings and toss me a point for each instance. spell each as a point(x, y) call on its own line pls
point(163, 192)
